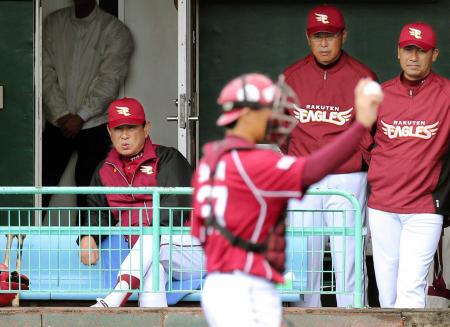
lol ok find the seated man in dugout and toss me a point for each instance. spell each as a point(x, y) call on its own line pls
point(136, 162)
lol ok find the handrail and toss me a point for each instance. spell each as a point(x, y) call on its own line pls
point(32, 190)
point(355, 231)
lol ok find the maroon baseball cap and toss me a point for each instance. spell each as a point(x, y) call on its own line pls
point(325, 18)
point(125, 111)
point(419, 34)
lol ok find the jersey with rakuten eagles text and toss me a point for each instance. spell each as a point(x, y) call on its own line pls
point(326, 106)
point(411, 144)
point(248, 192)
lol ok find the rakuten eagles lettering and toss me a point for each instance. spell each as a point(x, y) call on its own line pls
point(422, 132)
point(331, 117)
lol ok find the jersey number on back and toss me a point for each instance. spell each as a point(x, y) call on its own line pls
point(212, 196)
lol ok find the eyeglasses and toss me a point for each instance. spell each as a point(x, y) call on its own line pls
point(329, 37)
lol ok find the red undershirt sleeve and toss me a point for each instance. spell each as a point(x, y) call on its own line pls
point(327, 159)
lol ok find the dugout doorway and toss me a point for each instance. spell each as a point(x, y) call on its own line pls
point(153, 75)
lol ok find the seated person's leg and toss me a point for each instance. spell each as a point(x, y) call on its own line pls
point(150, 299)
point(130, 275)
point(187, 258)
point(187, 262)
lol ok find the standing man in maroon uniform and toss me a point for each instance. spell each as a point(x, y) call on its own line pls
point(324, 82)
point(409, 171)
point(240, 193)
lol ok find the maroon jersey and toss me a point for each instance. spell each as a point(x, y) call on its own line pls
point(117, 172)
point(326, 106)
point(248, 193)
point(412, 138)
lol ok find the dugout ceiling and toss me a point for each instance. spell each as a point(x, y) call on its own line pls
point(237, 36)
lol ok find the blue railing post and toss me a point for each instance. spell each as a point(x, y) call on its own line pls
point(359, 252)
point(156, 241)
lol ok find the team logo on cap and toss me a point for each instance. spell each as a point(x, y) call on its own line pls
point(322, 18)
point(410, 128)
point(125, 111)
point(146, 170)
point(415, 32)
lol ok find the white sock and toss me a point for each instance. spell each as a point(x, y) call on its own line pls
point(115, 298)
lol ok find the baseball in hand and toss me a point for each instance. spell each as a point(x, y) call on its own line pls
point(372, 88)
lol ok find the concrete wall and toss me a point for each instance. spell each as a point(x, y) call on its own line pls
point(181, 317)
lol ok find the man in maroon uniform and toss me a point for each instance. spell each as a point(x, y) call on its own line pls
point(324, 82)
point(409, 171)
point(135, 161)
point(240, 193)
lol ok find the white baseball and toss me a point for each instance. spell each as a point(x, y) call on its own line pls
point(372, 88)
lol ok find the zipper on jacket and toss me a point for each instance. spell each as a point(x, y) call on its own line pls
point(410, 92)
point(120, 173)
point(325, 75)
point(132, 177)
point(146, 213)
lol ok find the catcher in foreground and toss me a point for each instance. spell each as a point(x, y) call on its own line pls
point(240, 193)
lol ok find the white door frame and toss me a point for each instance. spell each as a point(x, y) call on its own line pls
point(187, 97)
point(37, 104)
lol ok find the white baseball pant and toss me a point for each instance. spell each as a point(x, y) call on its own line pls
point(240, 300)
point(403, 249)
point(343, 248)
point(187, 262)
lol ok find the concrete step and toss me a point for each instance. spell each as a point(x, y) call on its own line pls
point(181, 317)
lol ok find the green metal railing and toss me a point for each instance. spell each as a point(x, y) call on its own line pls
point(356, 232)
point(158, 230)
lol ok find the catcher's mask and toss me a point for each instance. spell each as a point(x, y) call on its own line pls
point(10, 281)
point(281, 123)
point(256, 91)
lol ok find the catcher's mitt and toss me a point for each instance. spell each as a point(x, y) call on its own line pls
point(11, 280)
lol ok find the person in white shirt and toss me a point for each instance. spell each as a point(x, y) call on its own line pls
point(86, 56)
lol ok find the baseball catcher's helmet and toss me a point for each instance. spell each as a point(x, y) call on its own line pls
point(11, 280)
point(257, 91)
